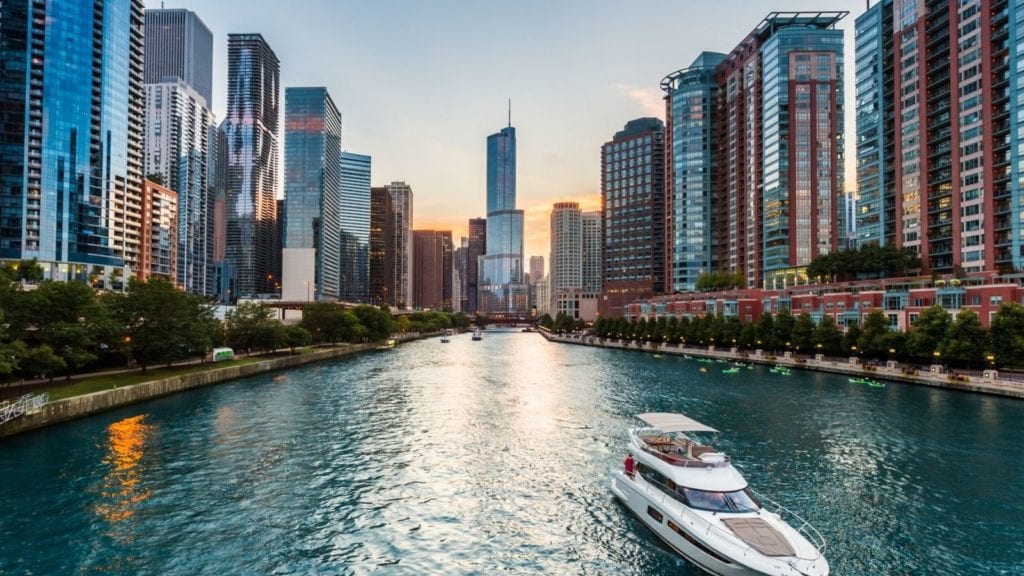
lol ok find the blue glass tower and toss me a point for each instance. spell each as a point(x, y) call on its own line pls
point(71, 134)
point(312, 194)
point(501, 288)
point(354, 269)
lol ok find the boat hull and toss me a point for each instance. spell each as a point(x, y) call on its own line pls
point(688, 544)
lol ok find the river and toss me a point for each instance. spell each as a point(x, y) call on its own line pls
point(492, 456)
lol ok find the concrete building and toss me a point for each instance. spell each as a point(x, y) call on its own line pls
point(432, 269)
point(179, 45)
point(382, 248)
point(633, 203)
point(476, 249)
point(402, 275)
point(158, 238)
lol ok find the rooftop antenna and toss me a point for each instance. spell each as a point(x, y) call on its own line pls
point(509, 112)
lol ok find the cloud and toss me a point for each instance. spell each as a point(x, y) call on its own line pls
point(649, 98)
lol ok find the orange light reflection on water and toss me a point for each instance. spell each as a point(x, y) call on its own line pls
point(120, 491)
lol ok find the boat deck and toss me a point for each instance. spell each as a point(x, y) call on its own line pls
point(680, 451)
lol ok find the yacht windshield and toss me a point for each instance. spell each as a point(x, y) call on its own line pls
point(738, 501)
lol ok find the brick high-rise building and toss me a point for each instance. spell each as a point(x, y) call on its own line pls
point(432, 269)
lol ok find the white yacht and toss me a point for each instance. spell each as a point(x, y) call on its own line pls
point(692, 497)
point(478, 335)
point(446, 336)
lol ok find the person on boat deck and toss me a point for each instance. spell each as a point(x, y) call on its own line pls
point(630, 465)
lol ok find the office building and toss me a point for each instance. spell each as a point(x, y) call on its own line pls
point(158, 239)
point(179, 45)
point(536, 269)
point(402, 248)
point(432, 269)
point(476, 249)
point(251, 179)
point(382, 248)
point(566, 262)
point(71, 121)
point(459, 276)
point(757, 155)
point(177, 150)
point(500, 287)
point(354, 268)
point(633, 204)
point(939, 134)
point(312, 195)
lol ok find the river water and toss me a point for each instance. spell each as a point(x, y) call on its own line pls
point(492, 456)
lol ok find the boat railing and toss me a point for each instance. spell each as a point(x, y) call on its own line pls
point(663, 450)
point(804, 528)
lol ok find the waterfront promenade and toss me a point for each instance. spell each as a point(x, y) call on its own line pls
point(987, 383)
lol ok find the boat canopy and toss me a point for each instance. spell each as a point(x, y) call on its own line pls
point(668, 422)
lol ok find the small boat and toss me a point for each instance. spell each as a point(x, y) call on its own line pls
point(657, 355)
point(693, 498)
point(446, 337)
point(705, 360)
point(687, 356)
point(867, 381)
point(721, 361)
point(478, 335)
point(780, 370)
point(703, 369)
point(388, 344)
point(733, 370)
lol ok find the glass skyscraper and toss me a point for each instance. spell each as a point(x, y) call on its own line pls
point(179, 45)
point(71, 135)
point(251, 135)
point(312, 195)
point(500, 286)
point(354, 285)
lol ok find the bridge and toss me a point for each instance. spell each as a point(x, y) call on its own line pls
point(27, 404)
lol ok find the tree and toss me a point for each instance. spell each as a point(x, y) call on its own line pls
point(803, 333)
point(546, 321)
point(965, 340)
point(1006, 335)
point(162, 323)
point(928, 333)
point(872, 341)
point(323, 320)
point(249, 326)
point(828, 336)
point(41, 361)
point(765, 331)
point(783, 328)
point(851, 338)
point(377, 323)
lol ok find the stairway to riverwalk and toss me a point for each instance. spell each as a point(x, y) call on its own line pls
point(27, 404)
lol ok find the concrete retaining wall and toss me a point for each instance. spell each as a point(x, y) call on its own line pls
point(79, 406)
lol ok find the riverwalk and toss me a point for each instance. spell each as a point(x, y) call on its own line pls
point(934, 376)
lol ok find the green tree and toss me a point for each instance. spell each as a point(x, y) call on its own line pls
point(872, 341)
point(765, 331)
point(828, 336)
point(928, 333)
point(803, 333)
point(323, 320)
point(851, 339)
point(783, 328)
point(546, 321)
point(162, 324)
point(965, 341)
point(250, 326)
point(1006, 335)
point(41, 361)
point(377, 323)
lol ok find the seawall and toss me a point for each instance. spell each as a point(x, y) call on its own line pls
point(853, 367)
point(87, 404)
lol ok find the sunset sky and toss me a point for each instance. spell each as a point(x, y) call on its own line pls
point(421, 84)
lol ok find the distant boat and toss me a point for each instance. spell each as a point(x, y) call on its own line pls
point(780, 370)
point(478, 335)
point(388, 344)
point(446, 337)
point(703, 369)
point(657, 355)
point(868, 381)
point(733, 370)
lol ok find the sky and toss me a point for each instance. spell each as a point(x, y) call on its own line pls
point(421, 84)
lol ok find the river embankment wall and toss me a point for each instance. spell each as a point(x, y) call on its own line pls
point(852, 367)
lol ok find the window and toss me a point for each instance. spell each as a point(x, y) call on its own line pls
point(737, 501)
point(653, 513)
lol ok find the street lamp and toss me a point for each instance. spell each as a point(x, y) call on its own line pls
point(991, 361)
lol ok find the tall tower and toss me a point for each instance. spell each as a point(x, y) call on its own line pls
point(402, 275)
point(179, 45)
point(311, 240)
point(251, 134)
point(475, 250)
point(566, 262)
point(71, 113)
point(382, 248)
point(432, 266)
point(633, 202)
point(354, 285)
point(500, 286)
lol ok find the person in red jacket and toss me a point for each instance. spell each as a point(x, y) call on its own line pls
point(630, 465)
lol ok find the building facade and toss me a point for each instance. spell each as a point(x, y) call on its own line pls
point(633, 204)
point(475, 250)
point(775, 155)
point(177, 150)
point(566, 261)
point(354, 268)
point(500, 287)
point(432, 269)
point(71, 119)
point(938, 95)
point(402, 275)
point(179, 45)
point(251, 131)
point(159, 235)
point(382, 248)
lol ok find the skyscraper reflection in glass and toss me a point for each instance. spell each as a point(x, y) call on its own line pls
point(501, 288)
point(354, 269)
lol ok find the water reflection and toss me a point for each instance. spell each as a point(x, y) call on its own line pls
point(120, 491)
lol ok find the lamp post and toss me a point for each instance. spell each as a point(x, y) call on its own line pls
point(991, 361)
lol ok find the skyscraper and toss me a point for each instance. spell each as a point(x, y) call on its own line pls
point(633, 204)
point(354, 285)
point(382, 248)
point(402, 276)
point(312, 234)
point(536, 269)
point(939, 134)
point(432, 269)
point(179, 45)
point(159, 235)
point(775, 151)
point(251, 131)
point(459, 302)
point(476, 249)
point(566, 260)
point(177, 149)
point(590, 252)
point(71, 144)
point(500, 286)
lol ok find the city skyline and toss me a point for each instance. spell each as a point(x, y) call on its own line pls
point(588, 89)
